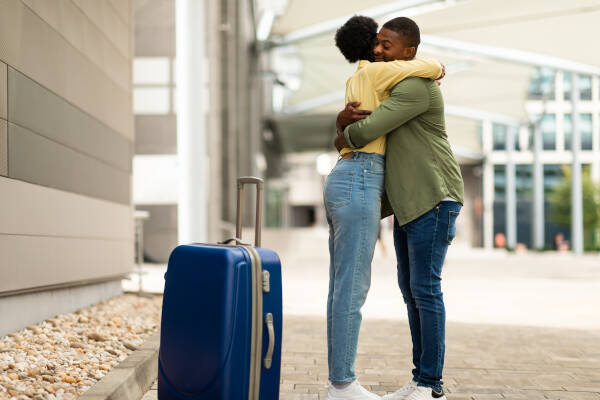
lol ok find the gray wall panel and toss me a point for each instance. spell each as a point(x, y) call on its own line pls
point(53, 212)
point(155, 134)
point(37, 261)
point(3, 148)
point(31, 45)
point(3, 90)
point(36, 108)
point(36, 159)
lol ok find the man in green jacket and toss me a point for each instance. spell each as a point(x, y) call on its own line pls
point(424, 191)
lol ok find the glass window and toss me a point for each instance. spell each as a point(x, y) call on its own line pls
point(523, 181)
point(553, 174)
point(542, 84)
point(499, 136)
point(585, 86)
point(585, 127)
point(548, 127)
point(499, 181)
point(151, 100)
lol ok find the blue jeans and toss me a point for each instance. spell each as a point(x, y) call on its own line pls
point(421, 247)
point(352, 198)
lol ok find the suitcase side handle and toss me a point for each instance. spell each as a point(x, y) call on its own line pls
point(271, 331)
point(240, 189)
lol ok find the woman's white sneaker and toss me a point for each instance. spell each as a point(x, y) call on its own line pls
point(425, 393)
point(353, 391)
point(403, 392)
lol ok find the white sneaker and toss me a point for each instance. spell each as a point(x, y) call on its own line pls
point(425, 393)
point(403, 392)
point(353, 391)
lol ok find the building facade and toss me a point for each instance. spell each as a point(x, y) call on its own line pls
point(550, 109)
point(232, 105)
point(66, 145)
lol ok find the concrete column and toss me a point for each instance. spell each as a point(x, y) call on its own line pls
point(194, 177)
point(216, 231)
point(511, 192)
point(230, 118)
point(576, 188)
point(286, 209)
point(538, 189)
point(596, 130)
point(488, 186)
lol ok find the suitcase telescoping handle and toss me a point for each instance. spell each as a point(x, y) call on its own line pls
point(240, 191)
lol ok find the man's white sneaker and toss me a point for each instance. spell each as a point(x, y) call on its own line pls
point(353, 391)
point(403, 392)
point(425, 393)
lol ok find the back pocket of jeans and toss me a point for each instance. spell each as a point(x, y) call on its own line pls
point(452, 215)
point(338, 189)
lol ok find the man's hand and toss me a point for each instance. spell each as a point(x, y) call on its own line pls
point(350, 115)
point(439, 80)
point(340, 142)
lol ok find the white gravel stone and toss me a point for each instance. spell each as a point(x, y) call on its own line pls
point(62, 357)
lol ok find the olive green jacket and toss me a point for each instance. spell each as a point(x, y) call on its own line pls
point(420, 168)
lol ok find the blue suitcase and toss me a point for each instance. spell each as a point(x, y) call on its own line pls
point(221, 319)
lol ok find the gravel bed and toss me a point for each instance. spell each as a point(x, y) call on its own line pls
point(62, 357)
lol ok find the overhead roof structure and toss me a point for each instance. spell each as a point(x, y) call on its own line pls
point(490, 48)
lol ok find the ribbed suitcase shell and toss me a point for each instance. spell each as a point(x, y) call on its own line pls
point(206, 329)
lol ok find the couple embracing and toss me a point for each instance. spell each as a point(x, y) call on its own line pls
point(395, 158)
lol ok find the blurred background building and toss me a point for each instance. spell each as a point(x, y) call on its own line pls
point(509, 75)
point(107, 106)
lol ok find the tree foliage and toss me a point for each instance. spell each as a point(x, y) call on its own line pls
point(560, 198)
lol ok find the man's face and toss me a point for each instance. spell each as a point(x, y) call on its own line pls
point(391, 46)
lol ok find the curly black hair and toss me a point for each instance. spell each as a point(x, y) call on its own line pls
point(356, 38)
point(406, 28)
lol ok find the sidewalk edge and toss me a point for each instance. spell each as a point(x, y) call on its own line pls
point(131, 378)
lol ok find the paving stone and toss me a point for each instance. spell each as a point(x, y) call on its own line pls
point(482, 361)
point(558, 395)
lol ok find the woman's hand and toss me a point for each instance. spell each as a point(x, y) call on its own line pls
point(340, 142)
point(350, 115)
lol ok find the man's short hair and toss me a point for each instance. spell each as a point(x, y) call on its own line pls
point(356, 38)
point(407, 28)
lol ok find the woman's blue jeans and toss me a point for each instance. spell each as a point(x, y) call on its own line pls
point(421, 247)
point(352, 198)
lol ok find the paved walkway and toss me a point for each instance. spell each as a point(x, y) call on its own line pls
point(520, 326)
point(482, 361)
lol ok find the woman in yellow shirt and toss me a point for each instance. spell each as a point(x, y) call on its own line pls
point(352, 197)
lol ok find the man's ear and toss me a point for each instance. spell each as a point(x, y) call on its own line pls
point(410, 52)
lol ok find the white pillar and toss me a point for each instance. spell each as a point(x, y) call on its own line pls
point(511, 193)
point(576, 188)
point(538, 189)
point(191, 121)
point(488, 185)
point(559, 136)
point(596, 130)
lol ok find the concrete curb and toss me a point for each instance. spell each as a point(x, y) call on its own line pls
point(131, 378)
